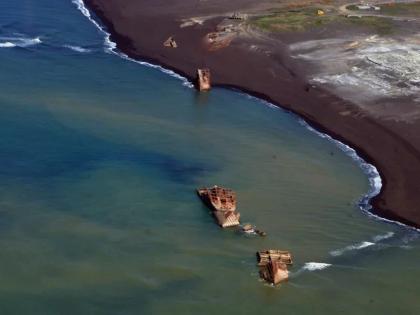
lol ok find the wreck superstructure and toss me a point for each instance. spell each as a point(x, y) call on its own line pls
point(273, 265)
point(222, 201)
point(203, 80)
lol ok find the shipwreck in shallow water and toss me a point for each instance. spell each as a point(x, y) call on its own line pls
point(222, 201)
point(273, 265)
point(203, 80)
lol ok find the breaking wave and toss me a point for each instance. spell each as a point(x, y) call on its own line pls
point(10, 42)
point(7, 45)
point(77, 49)
point(111, 47)
point(313, 266)
point(371, 171)
point(375, 180)
point(310, 266)
point(339, 252)
point(382, 237)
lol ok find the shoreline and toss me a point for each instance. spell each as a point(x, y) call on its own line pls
point(368, 203)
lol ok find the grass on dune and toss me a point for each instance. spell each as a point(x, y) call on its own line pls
point(307, 18)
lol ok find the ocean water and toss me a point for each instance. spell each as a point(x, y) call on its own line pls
point(99, 160)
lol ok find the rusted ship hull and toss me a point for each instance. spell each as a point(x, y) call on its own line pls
point(274, 272)
point(227, 219)
point(203, 79)
point(222, 201)
point(273, 265)
point(272, 254)
point(218, 198)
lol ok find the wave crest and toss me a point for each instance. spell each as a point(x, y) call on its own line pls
point(339, 252)
point(313, 266)
point(10, 42)
point(78, 49)
point(382, 237)
point(111, 47)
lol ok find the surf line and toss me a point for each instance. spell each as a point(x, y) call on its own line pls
point(111, 47)
point(370, 170)
point(310, 267)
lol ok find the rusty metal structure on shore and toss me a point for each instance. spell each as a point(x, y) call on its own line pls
point(203, 79)
point(170, 43)
point(273, 265)
point(222, 201)
point(238, 16)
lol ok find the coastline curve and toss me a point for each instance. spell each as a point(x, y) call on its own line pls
point(373, 174)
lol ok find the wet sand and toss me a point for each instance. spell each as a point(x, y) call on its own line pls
point(139, 27)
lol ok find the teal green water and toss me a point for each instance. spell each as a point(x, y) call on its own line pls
point(99, 160)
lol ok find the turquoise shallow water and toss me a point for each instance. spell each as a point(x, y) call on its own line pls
point(99, 159)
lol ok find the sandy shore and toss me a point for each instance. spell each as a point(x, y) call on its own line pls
point(139, 27)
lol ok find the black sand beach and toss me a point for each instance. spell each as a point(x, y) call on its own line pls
point(139, 27)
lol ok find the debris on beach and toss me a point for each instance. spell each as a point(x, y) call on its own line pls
point(273, 265)
point(203, 79)
point(221, 39)
point(368, 7)
point(170, 42)
point(192, 21)
point(238, 16)
point(222, 201)
point(353, 45)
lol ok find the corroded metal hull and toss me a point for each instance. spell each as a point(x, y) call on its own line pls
point(274, 254)
point(222, 201)
point(203, 79)
point(273, 265)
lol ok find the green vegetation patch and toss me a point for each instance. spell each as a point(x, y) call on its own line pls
point(307, 18)
point(292, 20)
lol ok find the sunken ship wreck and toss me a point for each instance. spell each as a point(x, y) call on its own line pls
point(222, 202)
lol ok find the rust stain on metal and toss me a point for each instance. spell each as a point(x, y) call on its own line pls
point(170, 43)
point(222, 201)
point(204, 79)
point(273, 265)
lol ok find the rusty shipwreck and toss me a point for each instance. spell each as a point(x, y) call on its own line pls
point(222, 201)
point(273, 265)
point(203, 80)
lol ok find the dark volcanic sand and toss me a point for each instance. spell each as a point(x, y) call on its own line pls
point(140, 27)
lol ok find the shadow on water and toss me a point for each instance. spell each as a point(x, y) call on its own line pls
point(36, 146)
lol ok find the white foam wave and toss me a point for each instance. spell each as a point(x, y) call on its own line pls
point(359, 246)
point(10, 42)
point(382, 237)
point(375, 180)
point(77, 48)
point(313, 266)
point(370, 170)
point(7, 45)
point(111, 47)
